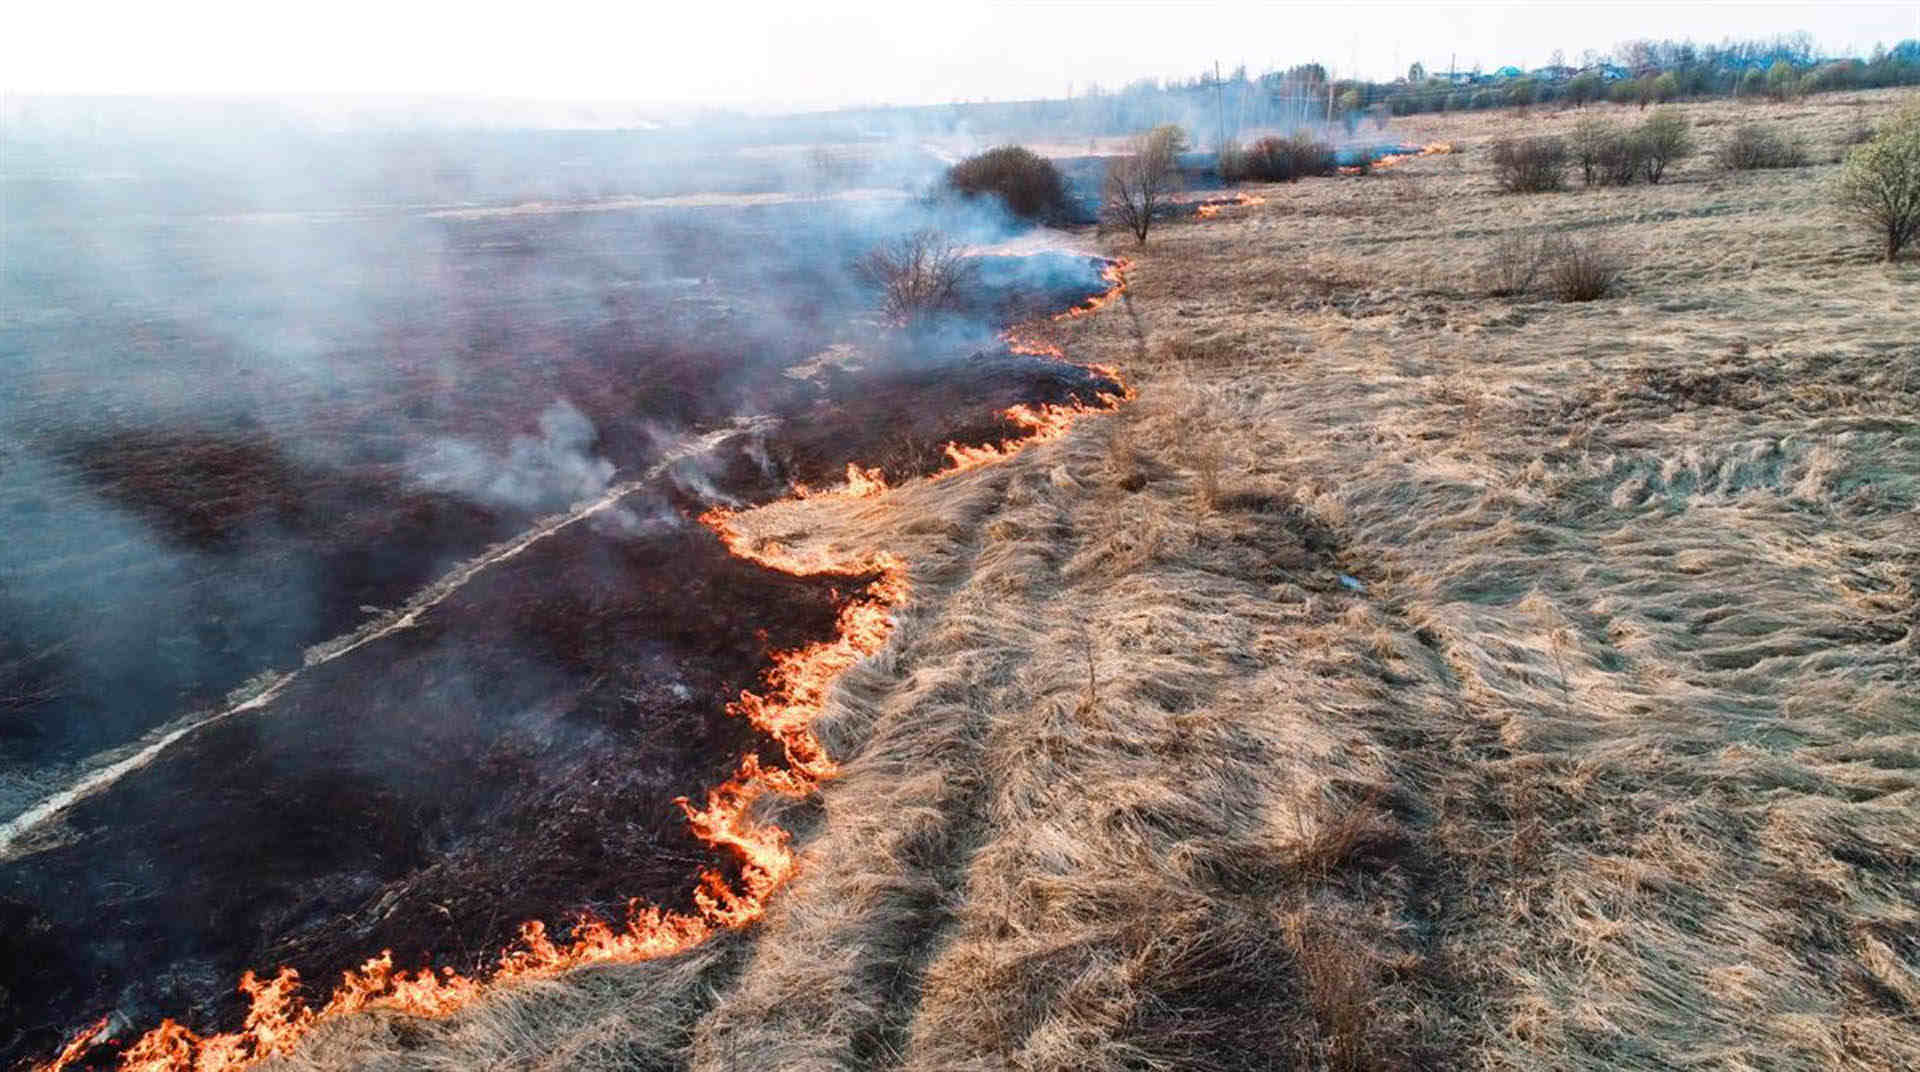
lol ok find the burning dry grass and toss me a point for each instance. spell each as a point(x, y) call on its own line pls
point(1411, 679)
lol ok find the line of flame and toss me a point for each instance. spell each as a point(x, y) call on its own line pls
point(1209, 209)
point(794, 694)
point(1434, 148)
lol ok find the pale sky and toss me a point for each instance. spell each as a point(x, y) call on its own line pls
point(790, 54)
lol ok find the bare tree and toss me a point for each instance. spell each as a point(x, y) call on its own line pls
point(1138, 183)
point(919, 275)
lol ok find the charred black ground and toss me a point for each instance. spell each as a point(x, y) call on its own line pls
point(200, 505)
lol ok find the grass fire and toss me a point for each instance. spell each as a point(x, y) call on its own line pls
point(1299, 569)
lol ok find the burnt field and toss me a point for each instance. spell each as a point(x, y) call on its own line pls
point(227, 439)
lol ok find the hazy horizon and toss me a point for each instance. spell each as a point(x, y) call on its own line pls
point(764, 58)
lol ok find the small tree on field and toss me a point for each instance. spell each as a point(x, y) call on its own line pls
point(919, 276)
point(1664, 138)
point(1138, 183)
point(1782, 80)
point(1522, 92)
point(1584, 87)
point(1644, 91)
point(1588, 142)
point(1880, 184)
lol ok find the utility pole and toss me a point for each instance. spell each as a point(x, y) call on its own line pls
point(1220, 105)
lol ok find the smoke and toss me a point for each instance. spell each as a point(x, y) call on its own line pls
point(537, 474)
point(263, 379)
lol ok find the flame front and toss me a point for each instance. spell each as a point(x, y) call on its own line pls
point(793, 695)
point(1432, 148)
point(1214, 207)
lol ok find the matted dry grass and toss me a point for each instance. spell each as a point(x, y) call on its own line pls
point(1411, 678)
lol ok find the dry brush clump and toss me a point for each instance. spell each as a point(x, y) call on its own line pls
point(1581, 270)
point(1530, 165)
point(1611, 155)
point(1028, 183)
point(1758, 146)
point(1512, 265)
point(1566, 267)
point(1277, 159)
point(919, 276)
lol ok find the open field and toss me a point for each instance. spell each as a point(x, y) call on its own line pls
point(1409, 678)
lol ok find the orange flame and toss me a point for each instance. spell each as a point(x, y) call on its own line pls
point(1432, 148)
point(793, 695)
point(860, 484)
point(1214, 207)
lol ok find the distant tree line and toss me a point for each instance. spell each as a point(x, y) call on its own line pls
point(1639, 72)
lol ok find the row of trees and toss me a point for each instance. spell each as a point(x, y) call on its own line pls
point(1779, 79)
point(1218, 108)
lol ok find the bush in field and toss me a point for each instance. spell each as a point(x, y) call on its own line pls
point(1278, 160)
point(1530, 165)
point(1620, 158)
point(1782, 80)
point(1579, 270)
point(1756, 146)
point(918, 276)
point(1512, 266)
point(1137, 184)
point(1585, 87)
point(1588, 144)
point(1664, 138)
point(1028, 182)
point(1289, 159)
point(1880, 184)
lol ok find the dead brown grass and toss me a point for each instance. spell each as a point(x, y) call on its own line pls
point(1538, 688)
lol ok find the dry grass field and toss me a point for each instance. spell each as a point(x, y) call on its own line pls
point(1410, 678)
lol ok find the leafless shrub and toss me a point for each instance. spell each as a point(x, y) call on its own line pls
point(1287, 159)
point(1589, 144)
point(1579, 270)
point(920, 275)
point(1138, 183)
point(1619, 159)
point(1530, 165)
point(1512, 266)
point(1756, 146)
